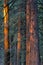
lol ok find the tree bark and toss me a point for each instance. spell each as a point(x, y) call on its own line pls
point(6, 36)
point(32, 55)
point(28, 18)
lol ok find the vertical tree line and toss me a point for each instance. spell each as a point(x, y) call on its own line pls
point(32, 55)
point(6, 34)
point(19, 38)
point(28, 18)
point(24, 40)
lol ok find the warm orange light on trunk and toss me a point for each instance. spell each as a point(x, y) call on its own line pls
point(6, 34)
point(5, 11)
point(18, 48)
point(19, 40)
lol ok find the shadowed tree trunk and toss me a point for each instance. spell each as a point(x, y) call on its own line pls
point(19, 38)
point(32, 55)
point(6, 40)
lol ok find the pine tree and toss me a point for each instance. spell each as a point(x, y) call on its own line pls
point(32, 55)
point(28, 29)
point(6, 34)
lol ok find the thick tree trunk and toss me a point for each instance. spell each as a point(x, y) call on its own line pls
point(28, 19)
point(32, 57)
point(6, 40)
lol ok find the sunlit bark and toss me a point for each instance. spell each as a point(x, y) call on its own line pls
point(5, 26)
point(6, 40)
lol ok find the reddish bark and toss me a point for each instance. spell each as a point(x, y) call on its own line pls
point(32, 57)
point(28, 15)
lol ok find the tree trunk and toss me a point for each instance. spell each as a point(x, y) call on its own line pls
point(28, 18)
point(32, 57)
point(19, 40)
point(6, 40)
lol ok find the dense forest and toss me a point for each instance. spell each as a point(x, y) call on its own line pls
point(18, 29)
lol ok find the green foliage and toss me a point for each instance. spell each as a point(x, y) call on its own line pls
point(40, 23)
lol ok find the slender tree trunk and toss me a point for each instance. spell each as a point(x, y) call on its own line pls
point(6, 40)
point(32, 57)
point(19, 40)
